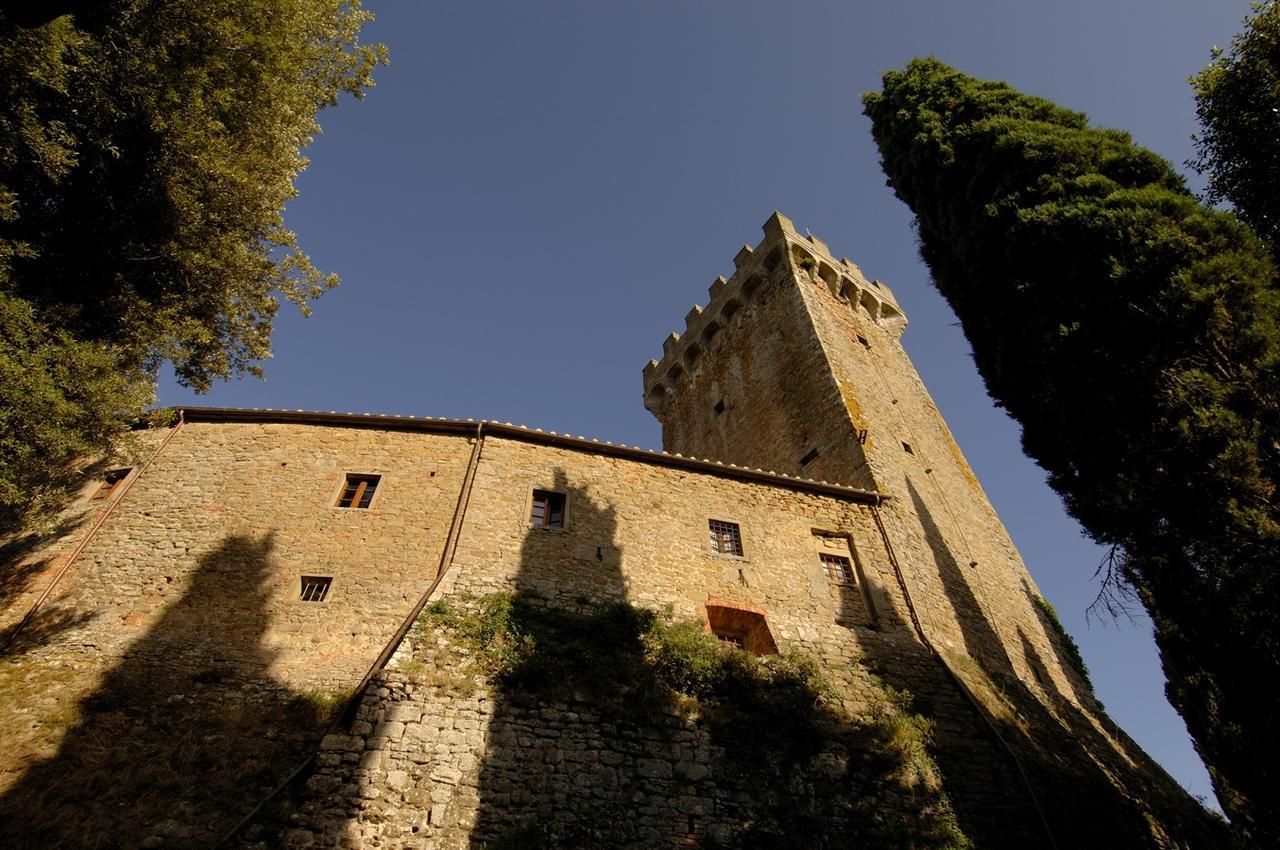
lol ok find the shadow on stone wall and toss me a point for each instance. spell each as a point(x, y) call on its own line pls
point(1072, 765)
point(25, 560)
point(535, 789)
point(183, 734)
point(589, 746)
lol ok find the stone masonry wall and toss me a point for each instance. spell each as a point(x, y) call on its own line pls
point(176, 674)
point(175, 669)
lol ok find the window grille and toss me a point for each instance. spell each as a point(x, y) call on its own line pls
point(315, 588)
point(837, 568)
point(726, 539)
point(358, 491)
point(547, 509)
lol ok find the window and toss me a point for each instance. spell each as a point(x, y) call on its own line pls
point(110, 482)
point(719, 408)
point(809, 457)
point(358, 491)
point(862, 340)
point(726, 539)
point(547, 509)
point(837, 568)
point(906, 447)
point(315, 588)
point(739, 626)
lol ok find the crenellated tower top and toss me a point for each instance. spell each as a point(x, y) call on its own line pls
point(782, 252)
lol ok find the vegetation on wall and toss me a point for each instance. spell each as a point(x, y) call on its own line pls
point(773, 717)
point(1131, 330)
point(1068, 642)
point(147, 148)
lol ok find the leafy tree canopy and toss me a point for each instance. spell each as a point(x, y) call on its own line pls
point(147, 148)
point(1132, 331)
point(1238, 104)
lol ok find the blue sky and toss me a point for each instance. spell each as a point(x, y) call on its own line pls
point(534, 195)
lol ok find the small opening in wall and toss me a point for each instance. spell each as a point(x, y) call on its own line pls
point(110, 482)
point(719, 408)
point(358, 491)
point(837, 567)
point(315, 588)
point(862, 340)
point(725, 537)
point(547, 509)
point(906, 447)
point(809, 457)
point(740, 626)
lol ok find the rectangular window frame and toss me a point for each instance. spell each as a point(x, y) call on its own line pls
point(110, 482)
point(531, 505)
point(379, 478)
point(848, 550)
point(846, 577)
point(709, 536)
point(306, 584)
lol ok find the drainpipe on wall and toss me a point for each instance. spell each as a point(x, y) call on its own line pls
point(348, 710)
point(964, 689)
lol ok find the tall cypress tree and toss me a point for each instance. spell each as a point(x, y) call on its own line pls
point(1132, 331)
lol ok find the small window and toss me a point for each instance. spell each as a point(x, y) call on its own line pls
point(906, 447)
point(726, 539)
point(740, 626)
point(809, 458)
point(315, 588)
point(719, 408)
point(110, 482)
point(863, 341)
point(547, 509)
point(358, 491)
point(837, 568)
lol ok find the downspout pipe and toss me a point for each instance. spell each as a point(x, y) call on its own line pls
point(345, 716)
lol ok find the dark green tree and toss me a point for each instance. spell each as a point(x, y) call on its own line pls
point(1238, 104)
point(147, 148)
point(1132, 332)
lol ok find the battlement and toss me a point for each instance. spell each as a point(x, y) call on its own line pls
point(782, 253)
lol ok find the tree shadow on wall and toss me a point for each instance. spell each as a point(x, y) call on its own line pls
point(183, 734)
point(1071, 765)
point(25, 562)
point(615, 728)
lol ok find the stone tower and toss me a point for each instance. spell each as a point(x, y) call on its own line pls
point(796, 366)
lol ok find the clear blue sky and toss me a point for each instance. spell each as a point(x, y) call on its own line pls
point(535, 194)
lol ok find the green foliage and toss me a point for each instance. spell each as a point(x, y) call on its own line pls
point(769, 715)
point(1239, 145)
point(1068, 642)
point(146, 153)
point(61, 400)
point(1132, 332)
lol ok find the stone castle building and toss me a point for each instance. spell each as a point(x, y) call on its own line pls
point(172, 655)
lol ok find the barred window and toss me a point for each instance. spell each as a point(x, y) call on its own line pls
point(726, 538)
point(547, 509)
point(358, 491)
point(837, 568)
point(315, 588)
